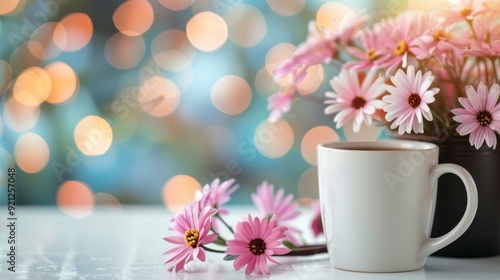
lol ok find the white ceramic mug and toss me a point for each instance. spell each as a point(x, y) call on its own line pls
point(377, 203)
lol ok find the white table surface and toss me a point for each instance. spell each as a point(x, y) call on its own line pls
point(128, 244)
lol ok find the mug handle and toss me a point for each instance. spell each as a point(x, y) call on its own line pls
point(431, 245)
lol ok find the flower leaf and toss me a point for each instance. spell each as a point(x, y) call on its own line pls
point(229, 257)
point(289, 244)
point(220, 241)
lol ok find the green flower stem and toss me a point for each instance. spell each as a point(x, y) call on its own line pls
point(486, 72)
point(495, 73)
point(221, 241)
point(469, 22)
point(299, 251)
point(307, 250)
point(224, 222)
point(441, 120)
point(338, 62)
point(212, 250)
point(313, 99)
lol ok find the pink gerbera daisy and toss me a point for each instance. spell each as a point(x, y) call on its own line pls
point(193, 226)
point(480, 116)
point(255, 241)
point(355, 100)
point(269, 204)
point(409, 100)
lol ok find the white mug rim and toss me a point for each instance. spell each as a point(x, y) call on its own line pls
point(382, 146)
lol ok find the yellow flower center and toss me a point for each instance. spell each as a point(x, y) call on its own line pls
point(441, 34)
point(191, 237)
point(401, 48)
point(466, 12)
point(358, 102)
point(371, 55)
point(484, 118)
point(257, 246)
point(414, 100)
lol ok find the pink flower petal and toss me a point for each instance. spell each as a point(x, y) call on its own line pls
point(263, 265)
point(201, 255)
point(175, 250)
point(237, 250)
point(256, 227)
point(272, 260)
point(242, 260)
point(175, 239)
point(250, 266)
point(281, 251)
point(210, 238)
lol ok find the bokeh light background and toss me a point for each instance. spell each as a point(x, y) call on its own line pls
point(108, 103)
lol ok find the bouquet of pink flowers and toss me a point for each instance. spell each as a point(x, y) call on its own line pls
point(255, 239)
point(433, 72)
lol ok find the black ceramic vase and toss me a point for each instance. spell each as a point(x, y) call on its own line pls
point(482, 239)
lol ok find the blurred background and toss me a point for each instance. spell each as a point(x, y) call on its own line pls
point(108, 103)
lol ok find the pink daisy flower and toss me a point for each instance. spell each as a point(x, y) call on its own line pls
point(355, 100)
point(265, 200)
point(440, 42)
point(463, 10)
point(401, 35)
point(371, 55)
point(480, 116)
point(320, 46)
point(255, 241)
point(409, 100)
point(193, 227)
point(217, 194)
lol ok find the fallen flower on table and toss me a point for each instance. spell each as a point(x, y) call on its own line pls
point(271, 204)
point(216, 195)
point(254, 242)
point(194, 224)
point(255, 239)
